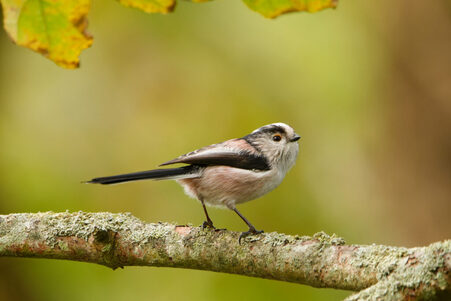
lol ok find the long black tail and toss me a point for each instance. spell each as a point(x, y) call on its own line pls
point(155, 174)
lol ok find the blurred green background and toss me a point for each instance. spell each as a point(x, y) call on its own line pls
point(367, 86)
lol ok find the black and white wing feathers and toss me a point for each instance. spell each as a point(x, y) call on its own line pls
point(234, 153)
point(219, 154)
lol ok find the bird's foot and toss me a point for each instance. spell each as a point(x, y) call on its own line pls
point(251, 231)
point(208, 224)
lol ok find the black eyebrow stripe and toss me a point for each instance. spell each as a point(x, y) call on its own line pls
point(273, 129)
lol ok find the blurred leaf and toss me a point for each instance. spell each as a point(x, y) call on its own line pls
point(274, 8)
point(151, 6)
point(56, 29)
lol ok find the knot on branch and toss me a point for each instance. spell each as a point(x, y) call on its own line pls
point(106, 240)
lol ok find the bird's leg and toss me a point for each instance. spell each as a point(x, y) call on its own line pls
point(251, 230)
point(208, 223)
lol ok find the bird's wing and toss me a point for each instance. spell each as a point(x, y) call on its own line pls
point(229, 153)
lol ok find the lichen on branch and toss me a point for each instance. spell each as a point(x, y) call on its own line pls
point(118, 240)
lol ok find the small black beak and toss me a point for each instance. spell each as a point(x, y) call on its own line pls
point(295, 138)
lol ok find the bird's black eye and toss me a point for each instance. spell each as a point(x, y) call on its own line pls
point(276, 138)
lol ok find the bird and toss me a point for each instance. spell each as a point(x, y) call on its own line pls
point(228, 173)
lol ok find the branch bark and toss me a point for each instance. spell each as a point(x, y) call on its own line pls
point(118, 240)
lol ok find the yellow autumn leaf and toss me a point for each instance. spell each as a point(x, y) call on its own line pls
point(56, 29)
point(274, 8)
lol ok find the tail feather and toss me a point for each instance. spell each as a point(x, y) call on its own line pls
point(155, 174)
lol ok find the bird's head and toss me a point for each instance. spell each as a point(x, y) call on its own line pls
point(278, 143)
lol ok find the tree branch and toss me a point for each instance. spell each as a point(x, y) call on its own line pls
point(118, 240)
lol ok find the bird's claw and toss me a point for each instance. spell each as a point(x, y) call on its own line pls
point(251, 231)
point(208, 224)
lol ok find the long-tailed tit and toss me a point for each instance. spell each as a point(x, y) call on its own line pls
point(231, 172)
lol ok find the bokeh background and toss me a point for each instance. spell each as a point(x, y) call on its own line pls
point(368, 87)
